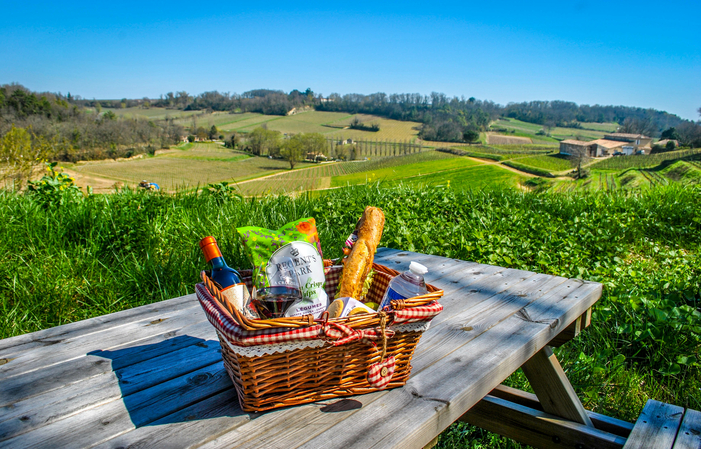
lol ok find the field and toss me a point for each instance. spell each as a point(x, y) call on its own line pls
point(552, 163)
point(330, 124)
point(340, 173)
point(589, 131)
point(151, 113)
point(498, 139)
point(196, 164)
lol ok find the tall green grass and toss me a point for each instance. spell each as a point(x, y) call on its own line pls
point(89, 256)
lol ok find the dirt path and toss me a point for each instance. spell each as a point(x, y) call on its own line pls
point(491, 162)
point(98, 184)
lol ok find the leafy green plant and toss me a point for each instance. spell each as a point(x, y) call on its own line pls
point(54, 188)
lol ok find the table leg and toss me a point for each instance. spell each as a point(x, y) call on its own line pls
point(552, 387)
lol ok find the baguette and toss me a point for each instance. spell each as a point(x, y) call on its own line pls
point(358, 264)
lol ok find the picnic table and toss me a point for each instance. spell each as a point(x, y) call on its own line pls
point(152, 376)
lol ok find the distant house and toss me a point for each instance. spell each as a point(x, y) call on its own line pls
point(615, 143)
point(571, 147)
point(638, 140)
point(345, 142)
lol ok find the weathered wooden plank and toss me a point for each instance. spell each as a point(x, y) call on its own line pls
point(37, 411)
point(556, 394)
point(71, 348)
point(104, 422)
point(689, 434)
point(572, 330)
point(63, 374)
point(48, 337)
point(656, 426)
point(537, 428)
point(436, 396)
point(482, 311)
point(530, 400)
point(188, 427)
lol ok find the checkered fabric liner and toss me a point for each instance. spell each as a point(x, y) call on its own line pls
point(225, 324)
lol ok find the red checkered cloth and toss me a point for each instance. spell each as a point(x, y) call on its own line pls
point(221, 318)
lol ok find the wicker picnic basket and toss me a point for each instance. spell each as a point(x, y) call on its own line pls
point(290, 361)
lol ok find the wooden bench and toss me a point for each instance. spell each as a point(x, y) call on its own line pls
point(666, 426)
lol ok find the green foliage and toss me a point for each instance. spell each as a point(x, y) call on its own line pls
point(20, 152)
point(553, 162)
point(263, 141)
point(645, 161)
point(55, 188)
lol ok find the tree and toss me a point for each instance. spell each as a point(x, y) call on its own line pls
point(20, 153)
point(313, 143)
point(470, 136)
point(213, 132)
point(201, 133)
point(579, 158)
point(293, 150)
point(263, 141)
point(669, 133)
point(689, 134)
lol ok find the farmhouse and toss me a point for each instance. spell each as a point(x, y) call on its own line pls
point(611, 144)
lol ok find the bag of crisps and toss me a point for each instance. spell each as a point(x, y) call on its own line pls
point(299, 241)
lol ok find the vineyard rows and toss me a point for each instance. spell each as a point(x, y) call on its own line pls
point(319, 176)
point(643, 161)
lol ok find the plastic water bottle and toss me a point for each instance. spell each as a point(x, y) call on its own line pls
point(406, 285)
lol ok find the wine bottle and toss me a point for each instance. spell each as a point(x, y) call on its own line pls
point(233, 289)
point(222, 274)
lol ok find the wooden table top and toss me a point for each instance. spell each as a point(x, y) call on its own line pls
point(152, 376)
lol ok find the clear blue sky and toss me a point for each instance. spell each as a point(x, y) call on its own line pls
point(640, 53)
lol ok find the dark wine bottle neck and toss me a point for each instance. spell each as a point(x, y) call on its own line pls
point(218, 263)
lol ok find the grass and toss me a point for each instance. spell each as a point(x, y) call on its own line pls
point(327, 175)
point(529, 169)
point(390, 173)
point(99, 254)
point(549, 162)
point(472, 179)
point(589, 131)
point(151, 113)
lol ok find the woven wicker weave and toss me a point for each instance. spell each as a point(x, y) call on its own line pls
point(314, 373)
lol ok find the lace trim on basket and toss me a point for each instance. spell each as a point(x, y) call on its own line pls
point(261, 350)
point(419, 326)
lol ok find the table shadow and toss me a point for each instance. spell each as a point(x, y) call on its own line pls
point(180, 379)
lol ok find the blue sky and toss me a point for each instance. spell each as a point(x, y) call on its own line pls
point(645, 54)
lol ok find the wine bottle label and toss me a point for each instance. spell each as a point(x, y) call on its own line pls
point(238, 296)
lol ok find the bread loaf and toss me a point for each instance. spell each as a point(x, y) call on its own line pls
point(359, 262)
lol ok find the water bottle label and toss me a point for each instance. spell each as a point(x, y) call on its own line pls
point(391, 295)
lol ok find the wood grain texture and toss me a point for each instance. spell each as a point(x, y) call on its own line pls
point(81, 369)
point(530, 400)
point(70, 347)
point(537, 428)
point(48, 337)
point(656, 426)
point(116, 417)
point(689, 434)
point(556, 394)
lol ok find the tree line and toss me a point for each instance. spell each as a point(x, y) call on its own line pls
point(77, 133)
point(443, 118)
